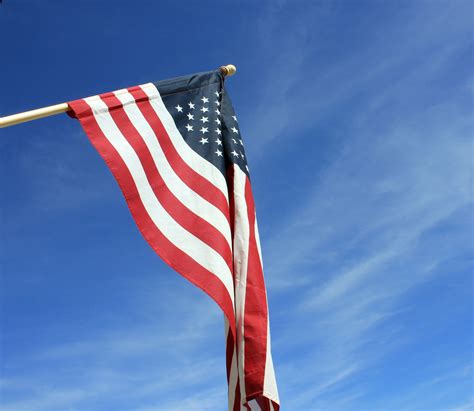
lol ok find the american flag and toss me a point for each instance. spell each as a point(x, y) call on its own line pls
point(176, 151)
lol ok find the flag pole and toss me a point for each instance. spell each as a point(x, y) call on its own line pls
point(31, 115)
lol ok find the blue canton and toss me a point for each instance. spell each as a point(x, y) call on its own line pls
point(203, 113)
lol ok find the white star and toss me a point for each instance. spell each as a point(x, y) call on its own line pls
point(205, 100)
point(217, 102)
point(247, 168)
point(234, 130)
point(241, 155)
point(179, 108)
point(204, 130)
point(204, 120)
point(217, 121)
point(190, 116)
point(204, 109)
point(191, 105)
point(235, 154)
point(204, 140)
point(218, 141)
point(218, 131)
point(189, 127)
point(217, 111)
point(235, 118)
point(241, 142)
point(219, 153)
point(234, 141)
point(216, 93)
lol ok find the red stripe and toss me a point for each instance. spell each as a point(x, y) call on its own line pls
point(230, 346)
point(255, 317)
point(230, 185)
point(229, 354)
point(237, 399)
point(173, 256)
point(264, 403)
point(194, 180)
point(180, 213)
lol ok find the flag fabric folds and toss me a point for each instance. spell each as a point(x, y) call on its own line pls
point(175, 149)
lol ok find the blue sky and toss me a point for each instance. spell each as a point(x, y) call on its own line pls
point(357, 118)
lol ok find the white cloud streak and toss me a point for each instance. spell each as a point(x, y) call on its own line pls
point(357, 241)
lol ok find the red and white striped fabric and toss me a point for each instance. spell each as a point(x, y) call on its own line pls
point(195, 208)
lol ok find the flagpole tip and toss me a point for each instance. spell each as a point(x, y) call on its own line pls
point(228, 70)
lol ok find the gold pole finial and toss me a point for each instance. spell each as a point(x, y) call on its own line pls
point(228, 70)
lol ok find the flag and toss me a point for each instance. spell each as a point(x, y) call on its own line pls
point(176, 151)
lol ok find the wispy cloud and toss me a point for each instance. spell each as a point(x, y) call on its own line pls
point(362, 140)
point(367, 230)
point(134, 366)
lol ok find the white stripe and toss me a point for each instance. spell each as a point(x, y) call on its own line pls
point(234, 377)
point(254, 405)
point(176, 234)
point(193, 159)
point(233, 372)
point(241, 244)
point(269, 382)
point(184, 193)
point(257, 240)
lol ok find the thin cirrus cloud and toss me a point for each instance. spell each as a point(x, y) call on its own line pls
point(166, 351)
point(360, 157)
point(368, 231)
